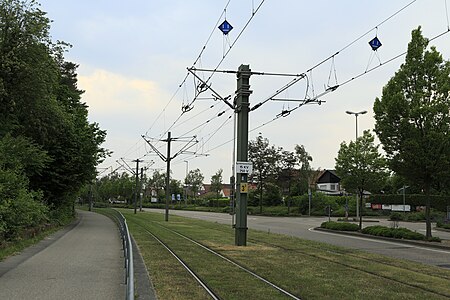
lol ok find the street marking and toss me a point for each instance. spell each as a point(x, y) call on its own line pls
point(379, 241)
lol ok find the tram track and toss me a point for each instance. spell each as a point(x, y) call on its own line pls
point(360, 269)
point(202, 282)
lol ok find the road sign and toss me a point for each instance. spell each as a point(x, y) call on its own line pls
point(375, 43)
point(225, 27)
point(244, 167)
point(244, 188)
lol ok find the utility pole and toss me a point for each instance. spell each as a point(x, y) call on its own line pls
point(242, 109)
point(168, 177)
point(167, 159)
point(140, 189)
point(136, 190)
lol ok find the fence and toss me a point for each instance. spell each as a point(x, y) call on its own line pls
point(128, 254)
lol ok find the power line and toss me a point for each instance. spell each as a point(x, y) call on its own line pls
point(195, 62)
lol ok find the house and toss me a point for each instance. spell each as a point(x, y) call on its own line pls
point(329, 183)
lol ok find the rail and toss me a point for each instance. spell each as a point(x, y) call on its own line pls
point(128, 254)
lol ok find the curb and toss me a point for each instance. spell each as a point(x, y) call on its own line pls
point(374, 237)
point(144, 286)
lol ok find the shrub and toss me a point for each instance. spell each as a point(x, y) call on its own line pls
point(396, 216)
point(443, 225)
point(398, 233)
point(343, 226)
point(101, 205)
point(20, 208)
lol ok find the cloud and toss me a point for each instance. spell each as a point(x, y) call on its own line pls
point(109, 93)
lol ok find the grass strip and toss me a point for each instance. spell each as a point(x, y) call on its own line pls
point(308, 269)
point(237, 281)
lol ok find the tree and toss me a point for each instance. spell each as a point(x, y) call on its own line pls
point(216, 182)
point(413, 121)
point(39, 100)
point(288, 160)
point(158, 183)
point(176, 187)
point(265, 160)
point(195, 180)
point(361, 167)
point(306, 174)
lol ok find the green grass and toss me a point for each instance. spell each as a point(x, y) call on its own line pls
point(307, 269)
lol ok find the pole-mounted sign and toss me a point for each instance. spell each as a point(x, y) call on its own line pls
point(244, 167)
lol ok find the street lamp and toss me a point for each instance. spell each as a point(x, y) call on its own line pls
point(356, 118)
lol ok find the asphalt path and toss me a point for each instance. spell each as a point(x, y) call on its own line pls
point(302, 227)
point(82, 262)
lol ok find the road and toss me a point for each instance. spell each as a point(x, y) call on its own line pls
point(302, 227)
point(86, 262)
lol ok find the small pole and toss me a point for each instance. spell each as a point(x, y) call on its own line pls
point(309, 201)
point(404, 202)
point(90, 197)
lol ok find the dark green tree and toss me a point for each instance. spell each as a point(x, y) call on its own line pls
point(306, 174)
point(288, 161)
point(176, 188)
point(39, 100)
point(265, 160)
point(216, 183)
point(361, 167)
point(158, 183)
point(413, 120)
point(195, 180)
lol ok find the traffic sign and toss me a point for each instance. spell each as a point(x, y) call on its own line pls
point(225, 27)
point(375, 43)
point(244, 167)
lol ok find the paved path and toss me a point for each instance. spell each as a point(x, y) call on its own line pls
point(84, 263)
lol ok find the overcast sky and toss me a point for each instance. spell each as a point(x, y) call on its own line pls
point(133, 57)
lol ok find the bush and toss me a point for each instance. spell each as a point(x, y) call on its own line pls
point(343, 226)
point(398, 233)
point(396, 216)
point(20, 208)
point(443, 225)
point(101, 205)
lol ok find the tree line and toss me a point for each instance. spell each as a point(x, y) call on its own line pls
point(48, 148)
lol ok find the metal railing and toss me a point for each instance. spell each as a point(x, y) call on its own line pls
point(128, 255)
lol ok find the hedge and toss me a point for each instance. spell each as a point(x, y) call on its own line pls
point(398, 233)
point(343, 226)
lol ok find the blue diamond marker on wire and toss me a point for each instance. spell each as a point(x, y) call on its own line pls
point(375, 43)
point(225, 27)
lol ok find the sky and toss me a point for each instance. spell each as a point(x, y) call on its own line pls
point(133, 58)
